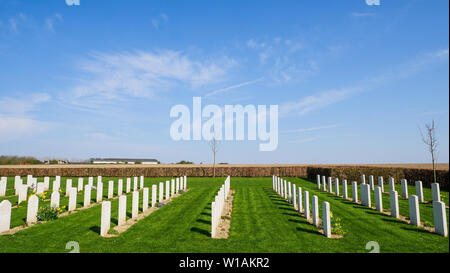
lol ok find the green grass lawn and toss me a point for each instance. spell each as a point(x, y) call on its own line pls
point(261, 222)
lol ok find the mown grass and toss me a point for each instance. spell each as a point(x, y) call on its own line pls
point(261, 222)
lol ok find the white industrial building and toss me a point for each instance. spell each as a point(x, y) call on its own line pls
point(123, 161)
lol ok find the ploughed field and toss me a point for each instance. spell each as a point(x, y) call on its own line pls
point(261, 221)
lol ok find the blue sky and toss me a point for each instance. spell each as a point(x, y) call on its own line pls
point(353, 82)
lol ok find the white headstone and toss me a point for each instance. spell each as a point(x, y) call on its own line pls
point(326, 222)
point(23, 191)
point(120, 187)
point(294, 196)
point(99, 192)
point(344, 188)
point(177, 184)
point(167, 189)
point(330, 185)
point(128, 188)
point(91, 181)
point(354, 191)
point(154, 189)
point(391, 184)
point(99, 179)
point(161, 191)
point(419, 191)
point(33, 205)
point(371, 183)
point(17, 179)
point(68, 186)
point(110, 189)
point(54, 203)
point(87, 195)
point(135, 183)
point(436, 192)
point(381, 183)
point(363, 179)
point(3, 185)
point(365, 195)
point(122, 217)
point(40, 187)
point(378, 199)
point(56, 185)
point(80, 183)
point(289, 193)
point(17, 184)
point(414, 213)
point(404, 185)
point(306, 205)
point(324, 183)
point(172, 189)
point(105, 222)
point(145, 199)
point(318, 181)
point(141, 185)
point(73, 199)
point(300, 200)
point(135, 205)
point(315, 210)
point(46, 183)
point(440, 218)
point(185, 182)
point(5, 216)
point(336, 186)
point(394, 204)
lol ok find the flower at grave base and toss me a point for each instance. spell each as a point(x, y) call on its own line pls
point(331, 214)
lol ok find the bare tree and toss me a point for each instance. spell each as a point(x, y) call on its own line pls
point(213, 145)
point(431, 141)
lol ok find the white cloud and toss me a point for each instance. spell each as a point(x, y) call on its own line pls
point(117, 76)
point(314, 102)
point(52, 20)
point(12, 128)
point(23, 104)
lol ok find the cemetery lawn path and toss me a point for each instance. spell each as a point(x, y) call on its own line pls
point(261, 222)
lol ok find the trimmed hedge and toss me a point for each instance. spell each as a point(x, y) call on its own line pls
point(354, 174)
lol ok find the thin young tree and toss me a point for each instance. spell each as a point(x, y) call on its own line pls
point(429, 138)
point(214, 149)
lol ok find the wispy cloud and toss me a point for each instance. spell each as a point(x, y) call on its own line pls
point(160, 20)
point(12, 128)
point(22, 105)
point(223, 90)
point(109, 77)
point(302, 130)
point(52, 20)
point(362, 14)
point(15, 22)
point(321, 100)
point(329, 97)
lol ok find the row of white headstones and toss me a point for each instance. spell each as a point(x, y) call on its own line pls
point(72, 192)
point(439, 210)
point(175, 187)
point(289, 193)
point(218, 205)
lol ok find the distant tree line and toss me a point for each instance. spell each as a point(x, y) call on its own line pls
point(185, 162)
point(17, 160)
